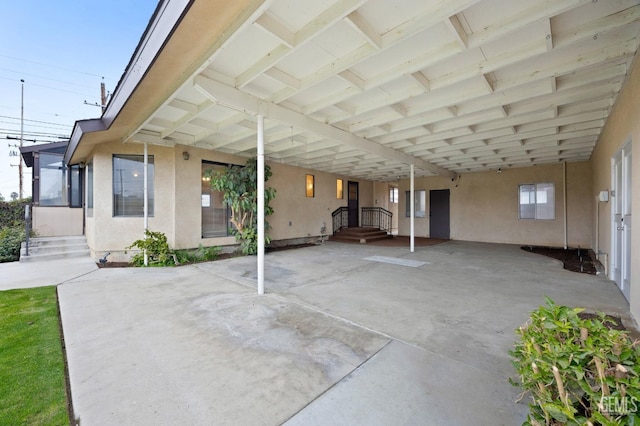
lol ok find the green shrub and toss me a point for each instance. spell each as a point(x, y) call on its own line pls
point(201, 254)
point(239, 188)
point(10, 240)
point(157, 248)
point(12, 212)
point(578, 370)
point(12, 231)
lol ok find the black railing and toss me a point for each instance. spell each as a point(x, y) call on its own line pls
point(377, 217)
point(340, 218)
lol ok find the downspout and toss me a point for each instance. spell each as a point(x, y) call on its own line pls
point(564, 191)
point(145, 208)
point(412, 208)
point(260, 204)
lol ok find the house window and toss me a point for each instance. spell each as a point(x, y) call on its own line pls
point(339, 189)
point(310, 185)
point(537, 201)
point(75, 186)
point(393, 195)
point(90, 189)
point(420, 203)
point(215, 214)
point(128, 185)
point(53, 180)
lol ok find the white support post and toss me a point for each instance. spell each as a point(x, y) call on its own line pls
point(145, 209)
point(412, 201)
point(260, 204)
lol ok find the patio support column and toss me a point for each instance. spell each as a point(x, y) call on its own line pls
point(564, 204)
point(260, 204)
point(412, 201)
point(145, 208)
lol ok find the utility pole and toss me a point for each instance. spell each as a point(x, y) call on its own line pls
point(103, 96)
point(21, 192)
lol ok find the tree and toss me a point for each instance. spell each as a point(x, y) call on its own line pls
point(1, 197)
point(239, 187)
point(14, 196)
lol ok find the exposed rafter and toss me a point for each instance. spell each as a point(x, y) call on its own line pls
point(237, 100)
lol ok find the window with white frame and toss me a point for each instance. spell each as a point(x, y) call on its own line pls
point(90, 189)
point(420, 203)
point(216, 218)
point(537, 201)
point(128, 185)
point(393, 195)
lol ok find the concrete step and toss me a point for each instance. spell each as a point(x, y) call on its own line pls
point(46, 248)
point(360, 235)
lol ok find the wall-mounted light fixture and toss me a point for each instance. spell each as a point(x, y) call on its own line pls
point(499, 170)
point(310, 185)
point(185, 155)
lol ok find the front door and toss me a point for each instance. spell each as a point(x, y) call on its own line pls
point(439, 213)
point(621, 223)
point(352, 205)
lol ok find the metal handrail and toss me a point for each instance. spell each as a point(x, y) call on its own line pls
point(377, 217)
point(27, 227)
point(340, 218)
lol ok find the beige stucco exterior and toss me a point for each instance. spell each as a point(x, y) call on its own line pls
point(622, 127)
point(177, 195)
point(484, 206)
point(56, 221)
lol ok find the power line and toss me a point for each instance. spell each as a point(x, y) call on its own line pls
point(50, 65)
point(35, 121)
point(51, 88)
point(46, 78)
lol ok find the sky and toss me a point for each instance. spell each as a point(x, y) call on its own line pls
point(62, 50)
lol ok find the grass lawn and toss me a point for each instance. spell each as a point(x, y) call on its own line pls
point(32, 382)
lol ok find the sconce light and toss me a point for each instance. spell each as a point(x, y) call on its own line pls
point(185, 155)
point(82, 164)
point(310, 181)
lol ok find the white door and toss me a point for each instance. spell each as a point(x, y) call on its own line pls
point(621, 226)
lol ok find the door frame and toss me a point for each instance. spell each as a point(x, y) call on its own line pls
point(353, 220)
point(620, 260)
point(433, 192)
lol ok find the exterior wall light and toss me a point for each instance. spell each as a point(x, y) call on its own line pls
point(185, 155)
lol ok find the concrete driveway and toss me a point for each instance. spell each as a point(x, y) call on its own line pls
point(346, 334)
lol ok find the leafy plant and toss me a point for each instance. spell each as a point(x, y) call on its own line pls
point(157, 248)
point(578, 371)
point(201, 254)
point(239, 186)
point(10, 240)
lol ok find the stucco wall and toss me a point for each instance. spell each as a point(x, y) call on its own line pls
point(177, 190)
point(484, 206)
point(106, 233)
point(308, 214)
point(622, 126)
point(56, 221)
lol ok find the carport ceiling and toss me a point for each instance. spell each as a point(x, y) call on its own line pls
point(364, 87)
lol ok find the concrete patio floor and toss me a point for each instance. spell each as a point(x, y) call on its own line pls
point(337, 339)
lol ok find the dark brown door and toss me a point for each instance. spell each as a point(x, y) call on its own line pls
point(352, 205)
point(439, 213)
